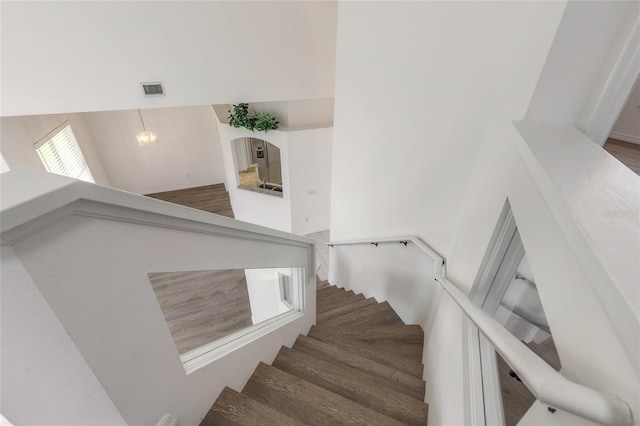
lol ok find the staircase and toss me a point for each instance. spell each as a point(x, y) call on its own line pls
point(359, 365)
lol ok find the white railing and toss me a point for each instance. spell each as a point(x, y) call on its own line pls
point(546, 384)
point(87, 250)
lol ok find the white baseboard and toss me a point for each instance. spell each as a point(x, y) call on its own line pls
point(625, 137)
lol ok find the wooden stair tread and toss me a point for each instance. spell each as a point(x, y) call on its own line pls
point(332, 293)
point(412, 334)
point(322, 317)
point(353, 385)
point(361, 365)
point(402, 340)
point(379, 313)
point(391, 377)
point(337, 300)
point(401, 363)
point(307, 402)
point(233, 408)
point(327, 291)
point(321, 284)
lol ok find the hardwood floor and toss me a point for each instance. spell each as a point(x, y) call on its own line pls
point(627, 153)
point(516, 398)
point(202, 306)
point(359, 365)
point(210, 198)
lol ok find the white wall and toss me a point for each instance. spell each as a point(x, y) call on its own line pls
point(586, 46)
point(187, 153)
point(263, 287)
point(425, 145)
point(413, 101)
point(443, 363)
point(627, 128)
point(254, 207)
point(91, 56)
point(310, 165)
point(45, 379)
point(18, 134)
point(402, 276)
point(296, 113)
point(306, 176)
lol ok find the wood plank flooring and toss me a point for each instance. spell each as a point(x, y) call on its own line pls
point(516, 398)
point(357, 366)
point(210, 198)
point(202, 306)
point(627, 153)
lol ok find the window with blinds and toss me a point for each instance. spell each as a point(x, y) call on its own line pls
point(61, 155)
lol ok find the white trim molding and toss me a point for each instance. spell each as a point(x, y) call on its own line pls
point(562, 160)
point(625, 137)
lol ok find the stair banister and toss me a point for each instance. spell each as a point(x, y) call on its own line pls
point(78, 257)
point(545, 383)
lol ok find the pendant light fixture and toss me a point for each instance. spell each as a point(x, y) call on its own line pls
point(145, 137)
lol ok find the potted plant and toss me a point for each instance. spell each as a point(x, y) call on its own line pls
point(251, 120)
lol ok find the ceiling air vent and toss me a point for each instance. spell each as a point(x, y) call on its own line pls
point(153, 89)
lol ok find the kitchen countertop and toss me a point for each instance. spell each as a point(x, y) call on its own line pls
point(254, 188)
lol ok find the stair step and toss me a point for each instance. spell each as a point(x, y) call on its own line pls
point(332, 294)
point(322, 317)
point(401, 363)
point(329, 289)
point(324, 305)
point(326, 291)
point(307, 402)
point(329, 296)
point(403, 340)
point(380, 313)
point(398, 380)
point(233, 408)
point(353, 385)
point(392, 334)
point(321, 284)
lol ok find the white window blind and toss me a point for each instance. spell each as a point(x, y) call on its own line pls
point(61, 154)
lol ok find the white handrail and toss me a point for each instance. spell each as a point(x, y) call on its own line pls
point(546, 384)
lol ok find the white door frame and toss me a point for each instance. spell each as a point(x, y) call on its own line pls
point(483, 401)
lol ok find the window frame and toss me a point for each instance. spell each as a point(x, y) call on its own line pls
point(79, 160)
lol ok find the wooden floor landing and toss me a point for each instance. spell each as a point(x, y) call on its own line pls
point(202, 306)
point(210, 198)
point(627, 153)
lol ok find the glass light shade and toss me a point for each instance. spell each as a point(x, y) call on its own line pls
point(147, 138)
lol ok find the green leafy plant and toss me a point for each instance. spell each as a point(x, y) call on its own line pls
point(240, 116)
point(251, 120)
point(265, 122)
